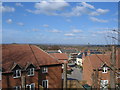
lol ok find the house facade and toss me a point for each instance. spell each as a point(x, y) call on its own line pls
point(27, 66)
point(96, 70)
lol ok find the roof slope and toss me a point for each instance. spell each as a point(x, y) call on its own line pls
point(23, 54)
point(98, 60)
point(59, 56)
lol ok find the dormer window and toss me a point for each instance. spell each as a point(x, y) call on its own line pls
point(105, 69)
point(16, 70)
point(31, 72)
point(17, 73)
point(44, 69)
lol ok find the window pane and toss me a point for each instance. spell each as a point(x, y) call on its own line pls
point(18, 73)
point(46, 84)
point(14, 74)
point(32, 71)
point(44, 69)
point(29, 72)
point(32, 86)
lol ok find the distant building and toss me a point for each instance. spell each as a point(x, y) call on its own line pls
point(80, 56)
point(72, 54)
point(52, 51)
point(98, 62)
point(68, 51)
point(27, 66)
point(79, 60)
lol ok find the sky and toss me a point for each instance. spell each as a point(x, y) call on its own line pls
point(59, 22)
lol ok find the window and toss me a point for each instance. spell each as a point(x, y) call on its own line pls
point(104, 84)
point(31, 72)
point(17, 88)
point(17, 73)
point(44, 70)
point(105, 69)
point(45, 83)
point(30, 86)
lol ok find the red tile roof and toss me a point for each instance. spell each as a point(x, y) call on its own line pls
point(97, 61)
point(60, 56)
point(23, 54)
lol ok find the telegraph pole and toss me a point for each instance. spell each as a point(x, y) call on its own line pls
point(112, 71)
point(65, 76)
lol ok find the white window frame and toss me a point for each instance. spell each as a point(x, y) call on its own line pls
point(16, 87)
point(30, 86)
point(44, 69)
point(31, 73)
point(16, 73)
point(102, 83)
point(105, 69)
point(45, 85)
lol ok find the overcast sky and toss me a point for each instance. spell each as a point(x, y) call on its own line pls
point(59, 22)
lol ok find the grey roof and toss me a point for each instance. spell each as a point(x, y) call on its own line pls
point(69, 51)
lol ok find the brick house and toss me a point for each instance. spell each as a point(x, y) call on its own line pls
point(62, 57)
point(96, 70)
point(27, 66)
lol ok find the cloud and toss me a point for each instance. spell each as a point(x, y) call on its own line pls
point(87, 5)
point(114, 19)
point(99, 12)
point(102, 11)
point(93, 35)
point(49, 8)
point(35, 29)
point(82, 8)
point(116, 13)
point(19, 4)
point(9, 21)
point(76, 11)
point(98, 20)
point(20, 23)
point(69, 34)
point(104, 32)
point(55, 31)
point(76, 30)
point(45, 25)
point(68, 20)
point(6, 9)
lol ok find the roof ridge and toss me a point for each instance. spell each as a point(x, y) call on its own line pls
point(46, 53)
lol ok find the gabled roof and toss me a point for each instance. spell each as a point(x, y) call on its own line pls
point(60, 56)
point(99, 60)
point(21, 54)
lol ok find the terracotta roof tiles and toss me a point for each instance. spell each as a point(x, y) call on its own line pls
point(23, 54)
